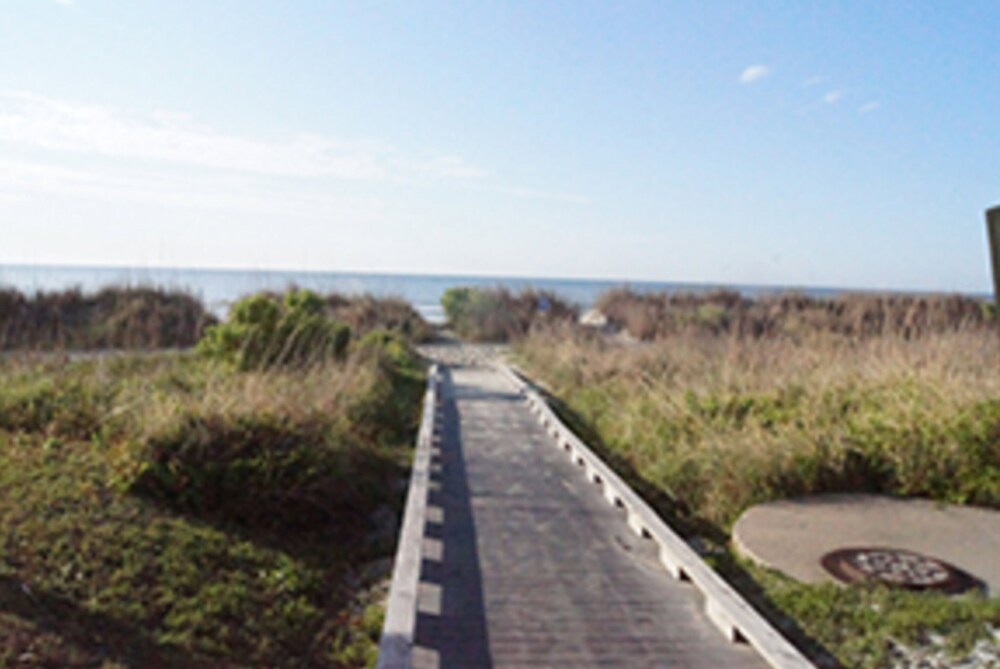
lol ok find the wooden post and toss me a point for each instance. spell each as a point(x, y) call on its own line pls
point(993, 226)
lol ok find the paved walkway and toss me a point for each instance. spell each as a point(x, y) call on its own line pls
point(525, 565)
point(793, 535)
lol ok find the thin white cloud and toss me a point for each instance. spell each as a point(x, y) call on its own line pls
point(215, 192)
point(536, 194)
point(448, 167)
point(833, 97)
point(168, 158)
point(869, 107)
point(812, 81)
point(754, 73)
point(170, 137)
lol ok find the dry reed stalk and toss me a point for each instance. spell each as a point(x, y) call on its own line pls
point(724, 421)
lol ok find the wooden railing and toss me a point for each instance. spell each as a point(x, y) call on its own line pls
point(732, 614)
point(396, 644)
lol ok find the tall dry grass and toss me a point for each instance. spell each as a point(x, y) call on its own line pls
point(723, 422)
point(223, 515)
point(657, 315)
point(117, 317)
point(365, 313)
point(148, 318)
point(169, 415)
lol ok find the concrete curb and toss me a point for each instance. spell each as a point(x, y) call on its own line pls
point(396, 642)
point(732, 614)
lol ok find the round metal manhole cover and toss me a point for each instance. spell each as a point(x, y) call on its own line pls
point(898, 568)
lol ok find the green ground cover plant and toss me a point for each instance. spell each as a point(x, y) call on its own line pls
point(709, 425)
point(171, 510)
point(858, 622)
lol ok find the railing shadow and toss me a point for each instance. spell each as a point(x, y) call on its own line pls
point(451, 630)
point(680, 517)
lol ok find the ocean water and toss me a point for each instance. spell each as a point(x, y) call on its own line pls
point(219, 288)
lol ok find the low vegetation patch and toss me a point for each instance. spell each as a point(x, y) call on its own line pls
point(715, 424)
point(172, 510)
point(497, 315)
point(867, 626)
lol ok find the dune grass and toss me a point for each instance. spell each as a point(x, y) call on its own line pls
point(706, 426)
point(650, 316)
point(167, 510)
point(115, 317)
point(367, 313)
point(124, 317)
point(723, 423)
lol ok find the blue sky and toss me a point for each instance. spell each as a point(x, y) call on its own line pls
point(849, 144)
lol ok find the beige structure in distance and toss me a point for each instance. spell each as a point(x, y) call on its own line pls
point(993, 228)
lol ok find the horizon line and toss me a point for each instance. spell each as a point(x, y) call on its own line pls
point(764, 287)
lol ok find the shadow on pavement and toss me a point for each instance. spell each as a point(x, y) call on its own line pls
point(451, 623)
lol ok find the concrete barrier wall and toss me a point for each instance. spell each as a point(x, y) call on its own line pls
point(396, 643)
point(732, 614)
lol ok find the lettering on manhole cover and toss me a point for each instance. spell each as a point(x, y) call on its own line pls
point(897, 568)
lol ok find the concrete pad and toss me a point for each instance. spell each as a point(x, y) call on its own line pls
point(792, 535)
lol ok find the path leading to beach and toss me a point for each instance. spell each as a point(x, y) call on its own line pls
point(524, 564)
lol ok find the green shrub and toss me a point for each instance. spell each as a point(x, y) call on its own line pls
point(496, 314)
point(286, 466)
point(391, 349)
point(263, 331)
point(265, 472)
